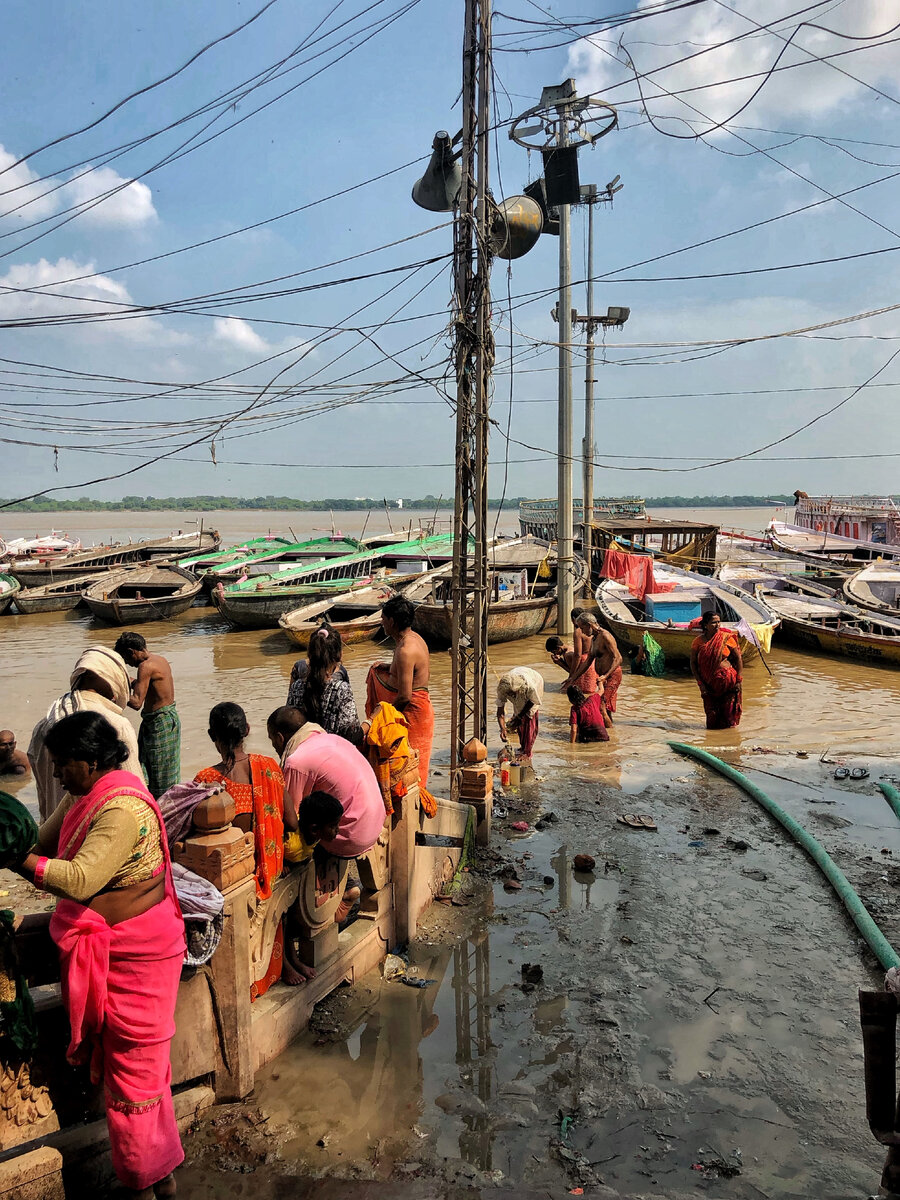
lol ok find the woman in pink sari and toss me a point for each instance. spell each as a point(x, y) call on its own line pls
point(121, 942)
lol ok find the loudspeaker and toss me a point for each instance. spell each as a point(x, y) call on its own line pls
point(515, 226)
point(438, 189)
point(561, 175)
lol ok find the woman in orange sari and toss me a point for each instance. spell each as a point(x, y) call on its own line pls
point(256, 785)
point(717, 666)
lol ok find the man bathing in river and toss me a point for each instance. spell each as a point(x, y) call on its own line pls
point(12, 761)
point(569, 658)
point(404, 682)
point(604, 656)
point(159, 738)
point(524, 689)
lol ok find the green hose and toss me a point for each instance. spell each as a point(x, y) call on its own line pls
point(892, 796)
point(860, 915)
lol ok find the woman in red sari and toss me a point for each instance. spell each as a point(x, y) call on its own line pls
point(717, 666)
point(121, 942)
point(256, 785)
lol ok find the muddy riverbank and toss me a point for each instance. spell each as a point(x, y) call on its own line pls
point(695, 1025)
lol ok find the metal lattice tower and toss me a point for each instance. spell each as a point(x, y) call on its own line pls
point(474, 358)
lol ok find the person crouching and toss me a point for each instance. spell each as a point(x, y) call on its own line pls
point(586, 723)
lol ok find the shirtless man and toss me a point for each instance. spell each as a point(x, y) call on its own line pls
point(566, 657)
point(603, 654)
point(12, 761)
point(404, 683)
point(159, 738)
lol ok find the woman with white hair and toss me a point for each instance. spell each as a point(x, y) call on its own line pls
point(99, 683)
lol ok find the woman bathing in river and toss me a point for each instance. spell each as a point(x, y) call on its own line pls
point(121, 943)
point(321, 688)
point(717, 666)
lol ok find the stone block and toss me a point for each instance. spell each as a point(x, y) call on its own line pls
point(223, 858)
point(36, 1175)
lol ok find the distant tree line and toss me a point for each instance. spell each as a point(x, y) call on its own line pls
point(292, 504)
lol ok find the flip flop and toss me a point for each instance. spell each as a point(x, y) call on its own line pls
point(859, 773)
point(842, 772)
point(633, 821)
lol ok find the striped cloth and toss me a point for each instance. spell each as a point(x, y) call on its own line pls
point(159, 746)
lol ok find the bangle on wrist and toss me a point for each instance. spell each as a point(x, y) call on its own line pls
point(39, 869)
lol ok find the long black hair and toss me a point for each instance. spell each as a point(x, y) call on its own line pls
point(86, 737)
point(324, 654)
point(227, 728)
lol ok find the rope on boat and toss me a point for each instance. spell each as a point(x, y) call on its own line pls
point(859, 914)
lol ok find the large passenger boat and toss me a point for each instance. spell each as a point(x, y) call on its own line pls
point(829, 524)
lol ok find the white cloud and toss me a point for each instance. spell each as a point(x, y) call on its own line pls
point(23, 198)
point(132, 205)
point(810, 90)
point(239, 333)
point(39, 289)
point(18, 191)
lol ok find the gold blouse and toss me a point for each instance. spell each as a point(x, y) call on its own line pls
point(123, 846)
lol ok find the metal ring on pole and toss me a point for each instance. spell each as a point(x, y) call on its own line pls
point(576, 111)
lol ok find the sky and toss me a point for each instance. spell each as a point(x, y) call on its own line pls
point(257, 201)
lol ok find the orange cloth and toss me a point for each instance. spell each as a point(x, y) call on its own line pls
point(635, 571)
point(611, 689)
point(264, 798)
point(419, 714)
point(389, 753)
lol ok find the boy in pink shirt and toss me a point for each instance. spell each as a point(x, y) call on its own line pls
point(315, 761)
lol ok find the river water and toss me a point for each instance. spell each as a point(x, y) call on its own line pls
point(806, 702)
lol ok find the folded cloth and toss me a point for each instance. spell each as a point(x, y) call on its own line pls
point(177, 807)
point(18, 832)
point(201, 906)
point(389, 753)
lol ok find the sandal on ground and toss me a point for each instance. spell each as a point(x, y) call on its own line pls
point(634, 821)
point(859, 773)
point(842, 772)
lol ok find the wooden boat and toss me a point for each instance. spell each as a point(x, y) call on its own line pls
point(135, 594)
point(796, 540)
point(522, 604)
point(876, 588)
point(666, 615)
point(51, 545)
point(356, 615)
point(198, 563)
point(55, 597)
point(9, 589)
point(811, 617)
point(259, 602)
point(104, 558)
point(261, 561)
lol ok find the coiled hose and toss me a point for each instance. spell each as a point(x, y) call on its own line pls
point(859, 914)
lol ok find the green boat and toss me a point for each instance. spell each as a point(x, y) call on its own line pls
point(259, 602)
point(265, 561)
point(250, 548)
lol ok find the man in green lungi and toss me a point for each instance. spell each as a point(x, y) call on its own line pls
point(159, 737)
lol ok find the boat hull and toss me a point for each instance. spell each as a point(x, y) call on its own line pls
point(862, 647)
point(168, 591)
point(31, 605)
point(507, 622)
point(10, 592)
point(362, 629)
point(138, 612)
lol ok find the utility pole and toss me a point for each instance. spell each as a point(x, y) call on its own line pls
point(590, 195)
point(474, 359)
point(565, 549)
point(563, 124)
